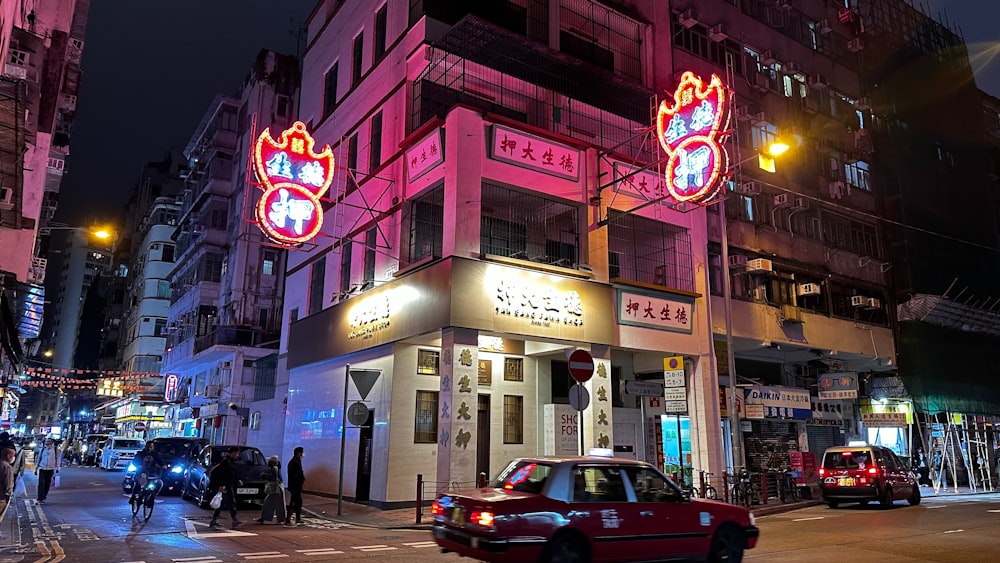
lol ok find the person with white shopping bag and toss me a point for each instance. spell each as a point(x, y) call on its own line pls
point(222, 479)
point(46, 467)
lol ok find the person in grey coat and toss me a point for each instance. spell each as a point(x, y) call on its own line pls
point(274, 501)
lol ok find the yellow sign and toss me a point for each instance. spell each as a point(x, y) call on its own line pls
point(673, 363)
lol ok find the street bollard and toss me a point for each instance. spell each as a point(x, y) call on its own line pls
point(420, 496)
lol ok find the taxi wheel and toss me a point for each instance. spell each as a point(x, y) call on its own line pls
point(566, 549)
point(886, 500)
point(727, 545)
point(915, 497)
point(833, 504)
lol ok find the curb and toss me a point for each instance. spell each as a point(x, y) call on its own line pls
point(341, 520)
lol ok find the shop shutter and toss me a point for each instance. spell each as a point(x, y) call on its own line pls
point(823, 437)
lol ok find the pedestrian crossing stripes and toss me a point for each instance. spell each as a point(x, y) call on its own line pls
point(371, 548)
point(263, 555)
point(321, 551)
point(209, 559)
point(421, 544)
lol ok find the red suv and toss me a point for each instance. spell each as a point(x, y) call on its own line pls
point(866, 473)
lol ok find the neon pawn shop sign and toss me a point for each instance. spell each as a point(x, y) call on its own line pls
point(293, 178)
point(691, 129)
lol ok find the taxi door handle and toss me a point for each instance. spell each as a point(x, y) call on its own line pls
point(646, 513)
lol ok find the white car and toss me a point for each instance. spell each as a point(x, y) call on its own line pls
point(118, 452)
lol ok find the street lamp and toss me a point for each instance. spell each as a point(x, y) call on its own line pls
point(777, 148)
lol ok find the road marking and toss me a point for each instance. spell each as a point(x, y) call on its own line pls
point(993, 511)
point(193, 532)
point(263, 555)
point(319, 551)
point(420, 544)
point(198, 560)
point(952, 531)
point(371, 548)
point(804, 519)
point(934, 507)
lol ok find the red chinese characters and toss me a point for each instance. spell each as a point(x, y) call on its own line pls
point(293, 178)
point(691, 129)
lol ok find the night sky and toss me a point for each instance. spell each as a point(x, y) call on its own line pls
point(152, 67)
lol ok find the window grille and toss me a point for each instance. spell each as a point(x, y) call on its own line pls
point(425, 422)
point(428, 362)
point(521, 225)
point(513, 419)
point(427, 224)
point(513, 369)
point(650, 251)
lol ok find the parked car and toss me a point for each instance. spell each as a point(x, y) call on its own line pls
point(866, 473)
point(117, 452)
point(588, 509)
point(249, 466)
point(177, 454)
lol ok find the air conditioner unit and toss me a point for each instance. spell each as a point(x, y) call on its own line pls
point(863, 103)
point(858, 300)
point(767, 58)
point(737, 261)
point(781, 199)
point(17, 72)
point(747, 188)
point(836, 188)
point(6, 198)
point(808, 289)
point(817, 81)
point(855, 45)
point(873, 303)
point(759, 80)
point(213, 391)
point(800, 203)
point(823, 26)
point(688, 18)
point(791, 67)
point(809, 105)
point(718, 33)
point(743, 113)
point(759, 265)
point(783, 4)
point(758, 118)
point(791, 314)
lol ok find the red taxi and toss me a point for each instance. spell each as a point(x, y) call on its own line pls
point(864, 473)
point(582, 509)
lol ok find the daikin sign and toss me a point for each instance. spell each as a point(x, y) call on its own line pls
point(692, 128)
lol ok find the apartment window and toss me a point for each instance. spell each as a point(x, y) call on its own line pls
point(352, 161)
point(380, 29)
point(163, 289)
point(522, 225)
point(316, 281)
point(282, 106)
point(211, 268)
point(513, 369)
point(763, 135)
point(267, 268)
point(425, 423)
point(650, 251)
point(160, 327)
point(330, 89)
point(17, 57)
point(262, 317)
point(168, 253)
point(293, 315)
point(485, 372)
point(375, 147)
point(359, 45)
point(346, 249)
point(428, 362)
point(427, 224)
point(856, 174)
point(371, 239)
point(513, 419)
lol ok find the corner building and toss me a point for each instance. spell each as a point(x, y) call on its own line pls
point(497, 206)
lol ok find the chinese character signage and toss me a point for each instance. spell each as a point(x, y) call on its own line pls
point(535, 153)
point(541, 305)
point(644, 184)
point(778, 402)
point(838, 385)
point(884, 419)
point(655, 311)
point(691, 129)
point(170, 387)
point(293, 178)
point(424, 156)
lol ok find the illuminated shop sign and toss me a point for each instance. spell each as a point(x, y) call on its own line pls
point(170, 387)
point(293, 178)
point(778, 402)
point(656, 311)
point(369, 316)
point(539, 304)
point(534, 153)
point(691, 129)
point(110, 388)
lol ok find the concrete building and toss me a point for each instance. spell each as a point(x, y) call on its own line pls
point(228, 281)
point(499, 204)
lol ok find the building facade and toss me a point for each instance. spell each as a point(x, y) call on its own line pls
point(494, 211)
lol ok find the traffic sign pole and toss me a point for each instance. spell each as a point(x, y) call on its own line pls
point(579, 426)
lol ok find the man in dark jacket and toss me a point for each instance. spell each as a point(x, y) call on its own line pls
point(296, 478)
point(223, 479)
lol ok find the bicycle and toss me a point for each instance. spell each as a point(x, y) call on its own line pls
point(144, 495)
point(707, 490)
point(743, 490)
point(788, 490)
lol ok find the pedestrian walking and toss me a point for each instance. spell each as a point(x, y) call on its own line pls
point(222, 479)
point(46, 467)
point(7, 473)
point(923, 469)
point(296, 478)
point(274, 489)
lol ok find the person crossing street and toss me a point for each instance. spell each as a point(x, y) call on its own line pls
point(222, 479)
point(296, 478)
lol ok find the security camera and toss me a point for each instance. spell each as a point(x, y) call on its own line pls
point(233, 406)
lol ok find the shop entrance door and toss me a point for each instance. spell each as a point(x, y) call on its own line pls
point(483, 437)
point(364, 483)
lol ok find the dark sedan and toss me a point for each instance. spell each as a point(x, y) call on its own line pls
point(249, 466)
point(177, 455)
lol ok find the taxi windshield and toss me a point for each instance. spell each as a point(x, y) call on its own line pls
point(857, 459)
point(523, 476)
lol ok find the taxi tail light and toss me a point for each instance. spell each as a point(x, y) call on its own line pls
point(482, 518)
point(873, 471)
point(436, 509)
point(822, 471)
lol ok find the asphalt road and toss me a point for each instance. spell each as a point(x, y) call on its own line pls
point(88, 520)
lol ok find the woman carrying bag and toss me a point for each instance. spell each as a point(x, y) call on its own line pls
point(274, 501)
